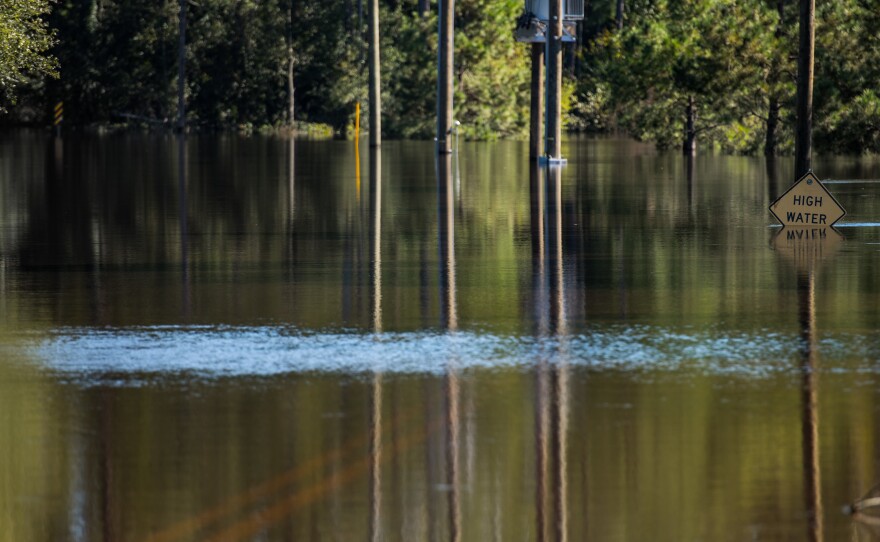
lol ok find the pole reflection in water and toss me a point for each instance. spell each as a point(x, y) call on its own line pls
point(183, 218)
point(291, 182)
point(449, 317)
point(542, 381)
point(551, 377)
point(558, 370)
point(809, 400)
point(376, 397)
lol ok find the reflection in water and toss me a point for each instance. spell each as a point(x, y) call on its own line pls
point(291, 178)
point(691, 184)
point(449, 312)
point(376, 396)
point(551, 378)
point(465, 396)
point(542, 382)
point(183, 217)
point(772, 179)
point(809, 398)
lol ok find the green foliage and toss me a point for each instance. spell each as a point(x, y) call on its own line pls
point(119, 62)
point(729, 62)
point(712, 53)
point(492, 94)
point(24, 41)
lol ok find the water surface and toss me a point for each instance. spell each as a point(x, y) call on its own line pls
point(231, 338)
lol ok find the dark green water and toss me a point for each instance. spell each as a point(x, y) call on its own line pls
point(259, 339)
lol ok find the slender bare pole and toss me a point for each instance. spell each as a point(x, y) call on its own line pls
point(375, 78)
point(806, 51)
point(445, 76)
point(536, 127)
point(553, 147)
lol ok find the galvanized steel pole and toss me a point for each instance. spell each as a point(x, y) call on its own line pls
point(375, 78)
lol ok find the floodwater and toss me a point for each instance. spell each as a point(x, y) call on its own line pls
point(262, 339)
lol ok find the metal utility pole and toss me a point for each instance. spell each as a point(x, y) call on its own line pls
point(444, 76)
point(553, 145)
point(181, 68)
point(806, 51)
point(375, 78)
point(536, 127)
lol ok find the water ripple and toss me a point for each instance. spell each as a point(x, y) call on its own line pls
point(262, 351)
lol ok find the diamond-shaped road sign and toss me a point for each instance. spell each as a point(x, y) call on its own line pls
point(807, 203)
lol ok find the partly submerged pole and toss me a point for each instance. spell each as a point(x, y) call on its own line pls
point(806, 51)
point(444, 75)
point(375, 78)
point(536, 127)
point(553, 146)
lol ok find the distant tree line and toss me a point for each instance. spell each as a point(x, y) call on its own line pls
point(675, 72)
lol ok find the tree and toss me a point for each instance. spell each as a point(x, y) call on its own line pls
point(679, 70)
point(25, 39)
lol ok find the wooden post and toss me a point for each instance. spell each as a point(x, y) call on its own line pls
point(181, 68)
point(806, 49)
point(553, 146)
point(444, 76)
point(375, 78)
point(536, 126)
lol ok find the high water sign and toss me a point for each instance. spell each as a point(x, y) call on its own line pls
point(807, 204)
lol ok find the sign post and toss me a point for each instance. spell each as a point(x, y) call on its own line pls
point(807, 204)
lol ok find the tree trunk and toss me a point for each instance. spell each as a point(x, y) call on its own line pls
point(181, 68)
point(690, 135)
point(770, 142)
point(290, 88)
point(424, 7)
point(619, 14)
